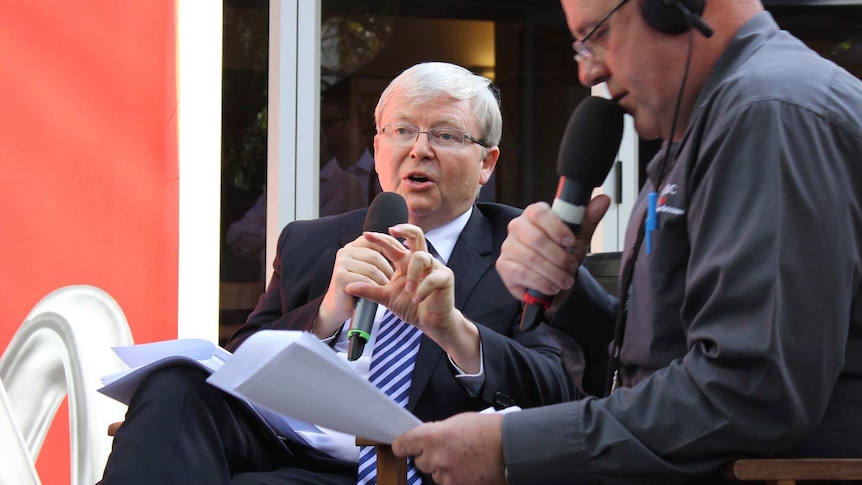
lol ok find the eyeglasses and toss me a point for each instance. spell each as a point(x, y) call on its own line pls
point(405, 135)
point(584, 52)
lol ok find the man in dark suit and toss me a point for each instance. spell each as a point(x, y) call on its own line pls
point(438, 126)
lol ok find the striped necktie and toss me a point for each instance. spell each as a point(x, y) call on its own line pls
point(391, 370)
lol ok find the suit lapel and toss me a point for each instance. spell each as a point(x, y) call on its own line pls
point(472, 255)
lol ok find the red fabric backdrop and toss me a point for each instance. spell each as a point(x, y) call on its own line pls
point(88, 146)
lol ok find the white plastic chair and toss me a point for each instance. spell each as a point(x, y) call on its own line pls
point(62, 348)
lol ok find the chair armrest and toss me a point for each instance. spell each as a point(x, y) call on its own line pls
point(391, 470)
point(795, 469)
point(112, 428)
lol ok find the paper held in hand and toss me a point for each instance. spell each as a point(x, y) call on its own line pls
point(290, 373)
point(295, 374)
point(143, 359)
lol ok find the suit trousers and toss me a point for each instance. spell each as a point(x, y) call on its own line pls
point(181, 430)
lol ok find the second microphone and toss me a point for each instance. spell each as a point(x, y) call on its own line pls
point(387, 209)
point(587, 153)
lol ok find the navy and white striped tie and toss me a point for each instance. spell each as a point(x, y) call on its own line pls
point(391, 370)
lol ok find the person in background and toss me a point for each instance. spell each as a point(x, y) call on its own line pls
point(743, 330)
point(339, 191)
point(438, 127)
point(247, 235)
point(348, 137)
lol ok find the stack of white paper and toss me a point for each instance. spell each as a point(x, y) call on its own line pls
point(292, 374)
point(145, 358)
point(299, 376)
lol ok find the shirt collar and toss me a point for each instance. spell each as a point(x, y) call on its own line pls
point(330, 170)
point(444, 237)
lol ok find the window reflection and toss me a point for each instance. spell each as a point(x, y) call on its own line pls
point(347, 177)
point(243, 176)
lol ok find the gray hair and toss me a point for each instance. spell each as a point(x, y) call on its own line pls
point(428, 80)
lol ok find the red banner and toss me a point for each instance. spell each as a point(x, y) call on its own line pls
point(88, 143)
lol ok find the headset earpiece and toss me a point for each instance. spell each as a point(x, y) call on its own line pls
point(667, 15)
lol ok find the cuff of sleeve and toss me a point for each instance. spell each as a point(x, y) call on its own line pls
point(543, 445)
point(332, 339)
point(472, 383)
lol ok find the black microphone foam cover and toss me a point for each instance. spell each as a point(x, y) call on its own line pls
point(386, 210)
point(591, 141)
point(587, 153)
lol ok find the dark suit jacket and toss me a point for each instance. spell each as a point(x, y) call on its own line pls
point(521, 367)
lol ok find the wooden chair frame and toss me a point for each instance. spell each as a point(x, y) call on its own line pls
point(786, 471)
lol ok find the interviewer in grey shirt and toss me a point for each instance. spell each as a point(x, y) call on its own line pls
point(744, 331)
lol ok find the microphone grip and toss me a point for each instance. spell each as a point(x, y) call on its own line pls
point(360, 328)
point(535, 302)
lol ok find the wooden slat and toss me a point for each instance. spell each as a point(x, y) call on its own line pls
point(796, 469)
point(391, 470)
point(113, 427)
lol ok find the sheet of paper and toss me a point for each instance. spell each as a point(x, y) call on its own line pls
point(146, 358)
point(193, 348)
point(297, 375)
point(122, 386)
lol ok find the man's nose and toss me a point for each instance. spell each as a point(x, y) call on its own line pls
point(592, 72)
point(422, 146)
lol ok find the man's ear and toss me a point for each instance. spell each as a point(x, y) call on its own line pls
point(489, 161)
point(374, 146)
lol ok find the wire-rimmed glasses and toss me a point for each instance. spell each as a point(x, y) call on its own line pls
point(401, 134)
point(583, 52)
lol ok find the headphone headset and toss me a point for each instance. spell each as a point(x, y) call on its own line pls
point(675, 16)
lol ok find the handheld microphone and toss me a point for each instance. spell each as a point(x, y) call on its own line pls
point(386, 210)
point(587, 152)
